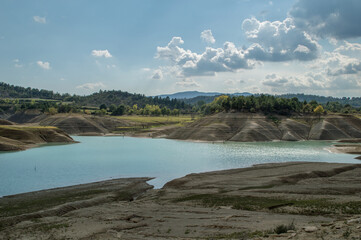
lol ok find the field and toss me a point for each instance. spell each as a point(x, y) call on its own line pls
point(145, 123)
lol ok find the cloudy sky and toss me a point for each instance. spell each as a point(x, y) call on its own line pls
point(166, 46)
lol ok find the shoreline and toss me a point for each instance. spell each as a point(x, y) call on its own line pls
point(201, 206)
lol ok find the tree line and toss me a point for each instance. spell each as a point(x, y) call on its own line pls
point(271, 104)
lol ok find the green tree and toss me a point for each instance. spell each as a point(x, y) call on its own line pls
point(103, 106)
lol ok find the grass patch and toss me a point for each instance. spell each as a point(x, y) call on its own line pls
point(18, 207)
point(238, 235)
point(305, 207)
point(156, 120)
point(31, 128)
point(48, 227)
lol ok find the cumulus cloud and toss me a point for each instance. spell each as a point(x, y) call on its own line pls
point(43, 65)
point(207, 36)
point(91, 86)
point(39, 19)
point(328, 18)
point(187, 83)
point(274, 81)
point(101, 53)
point(347, 47)
point(278, 41)
point(212, 60)
point(157, 74)
point(284, 84)
point(350, 68)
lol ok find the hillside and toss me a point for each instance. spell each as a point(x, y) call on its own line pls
point(18, 137)
point(247, 127)
point(193, 94)
point(116, 97)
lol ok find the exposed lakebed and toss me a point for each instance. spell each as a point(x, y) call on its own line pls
point(102, 158)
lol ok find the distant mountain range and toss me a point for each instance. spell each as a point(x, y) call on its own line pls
point(193, 94)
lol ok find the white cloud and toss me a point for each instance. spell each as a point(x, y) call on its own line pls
point(111, 66)
point(187, 83)
point(39, 19)
point(274, 81)
point(300, 83)
point(101, 53)
point(350, 68)
point(91, 86)
point(325, 18)
point(157, 74)
point(207, 36)
point(347, 47)
point(17, 63)
point(146, 69)
point(44, 65)
point(278, 41)
point(212, 60)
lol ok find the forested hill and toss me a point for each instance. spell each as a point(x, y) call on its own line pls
point(11, 91)
point(102, 97)
point(129, 99)
point(354, 101)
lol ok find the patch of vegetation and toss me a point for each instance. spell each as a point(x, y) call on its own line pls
point(30, 128)
point(283, 228)
point(306, 207)
point(33, 205)
point(257, 187)
point(124, 196)
point(46, 227)
point(237, 202)
point(238, 235)
point(274, 119)
point(158, 119)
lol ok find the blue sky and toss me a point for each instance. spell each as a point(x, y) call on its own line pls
point(165, 46)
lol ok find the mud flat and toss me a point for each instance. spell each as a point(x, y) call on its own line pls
point(294, 200)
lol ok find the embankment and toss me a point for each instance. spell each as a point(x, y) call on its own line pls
point(245, 127)
point(20, 137)
point(313, 200)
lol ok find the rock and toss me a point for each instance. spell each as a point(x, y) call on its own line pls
point(310, 229)
point(292, 235)
point(355, 220)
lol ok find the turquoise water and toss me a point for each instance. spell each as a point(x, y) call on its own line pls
point(101, 158)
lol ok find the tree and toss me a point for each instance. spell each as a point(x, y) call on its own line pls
point(319, 110)
point(119, 111)
point(52, 111)
point(112, 107)
point(103, 106)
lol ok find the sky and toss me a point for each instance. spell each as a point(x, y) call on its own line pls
point(166, 46)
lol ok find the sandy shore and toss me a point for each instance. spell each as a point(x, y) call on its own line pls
point(300, 200)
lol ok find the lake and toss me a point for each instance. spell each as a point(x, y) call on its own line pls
point(103, 158)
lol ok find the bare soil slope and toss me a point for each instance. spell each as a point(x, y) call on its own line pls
point(18, 137)
point(245, 127)
point(80, 124)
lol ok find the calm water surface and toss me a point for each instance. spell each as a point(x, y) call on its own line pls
point(102, 158)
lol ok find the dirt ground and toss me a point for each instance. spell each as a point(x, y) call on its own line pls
point(271, 201)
